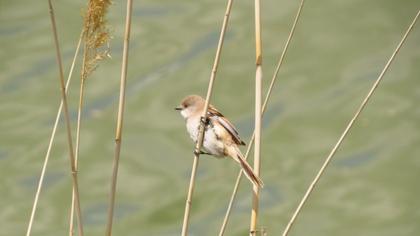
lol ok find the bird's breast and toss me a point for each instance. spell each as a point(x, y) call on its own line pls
point(212, 142)
point(193, 125)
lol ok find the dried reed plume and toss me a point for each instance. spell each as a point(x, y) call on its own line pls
point(96, 47)
point(96, 35)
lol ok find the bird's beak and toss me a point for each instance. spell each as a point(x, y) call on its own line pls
point(178, 108)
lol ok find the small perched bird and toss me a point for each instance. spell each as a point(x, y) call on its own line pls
point(220, 137)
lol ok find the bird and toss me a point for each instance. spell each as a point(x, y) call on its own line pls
point(220, 136)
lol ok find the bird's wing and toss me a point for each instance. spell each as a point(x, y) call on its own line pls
point(216, 115)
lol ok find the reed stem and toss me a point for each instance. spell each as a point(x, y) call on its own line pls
point(267, 98)
point(120, 118)
point(67, 119)
point(79, 115)
point(79, 121)
point(188, 203)
point(257, 142)
point(52, 138)
point(347, 129)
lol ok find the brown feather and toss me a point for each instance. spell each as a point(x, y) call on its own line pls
point(222, 120)
point(250, 173)
point(235, 153)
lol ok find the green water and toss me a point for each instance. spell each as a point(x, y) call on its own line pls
point(340, 47)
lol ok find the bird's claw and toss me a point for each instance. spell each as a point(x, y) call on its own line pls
point(204, 120)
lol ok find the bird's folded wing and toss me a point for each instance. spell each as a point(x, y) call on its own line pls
point(216, 115)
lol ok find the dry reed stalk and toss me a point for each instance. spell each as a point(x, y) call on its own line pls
point(257, 142)
point(79, 115)
point(267, 98)
point(67, 119)
point(96, 40)
point(120, 118)
point(47, 156)
point(203, 120)
point(346, 130)
point(76, 163)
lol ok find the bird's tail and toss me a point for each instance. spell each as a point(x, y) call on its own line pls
point(247, 169)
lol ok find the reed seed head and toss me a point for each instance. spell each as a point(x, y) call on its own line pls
point(96, 35)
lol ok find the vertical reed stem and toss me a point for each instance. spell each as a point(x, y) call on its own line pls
point(346, 130)
point(257, 143)
point(267, 98)
point(199, 143)
point(52, 137)
point(79, 121)
point(120, 118)
point(76, 159)
point(67, 119)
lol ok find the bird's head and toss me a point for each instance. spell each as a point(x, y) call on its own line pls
point(191, 105)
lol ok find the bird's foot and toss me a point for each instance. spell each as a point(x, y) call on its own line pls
point(204, 153)
point(204, 120)
point(197, 153)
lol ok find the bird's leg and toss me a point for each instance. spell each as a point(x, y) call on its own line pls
point(204, 121)
point(196, 152)
point(204, 153)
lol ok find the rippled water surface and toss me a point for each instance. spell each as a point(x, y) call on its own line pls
point(340, 47)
